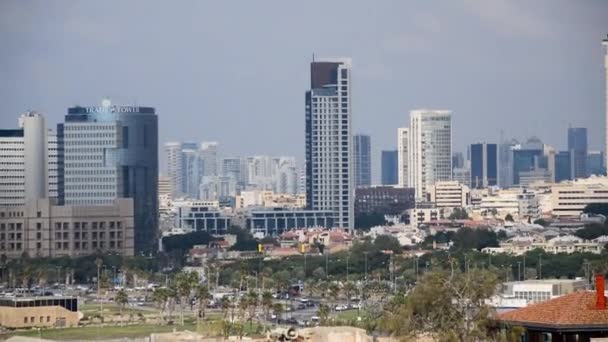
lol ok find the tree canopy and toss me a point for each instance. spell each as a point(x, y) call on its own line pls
point(448, 305)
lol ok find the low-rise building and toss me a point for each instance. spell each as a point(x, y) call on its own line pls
point(269, 199)
point(539, 290)
point(38, 312)
point(200, 216)
point(571, 197)
point(561, 244)
point(420, 215)
point(449, 194)
point(273, 222)
point(43, 229)
point(385, 200)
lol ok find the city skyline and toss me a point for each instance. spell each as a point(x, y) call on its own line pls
point(545, 69)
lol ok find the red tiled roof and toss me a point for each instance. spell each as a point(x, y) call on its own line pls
point(574, 309)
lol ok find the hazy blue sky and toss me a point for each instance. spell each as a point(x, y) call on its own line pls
point(236, 71)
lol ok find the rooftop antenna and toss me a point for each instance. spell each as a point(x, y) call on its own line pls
point(313, 57)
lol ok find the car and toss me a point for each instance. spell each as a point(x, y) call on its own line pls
point(273, 316)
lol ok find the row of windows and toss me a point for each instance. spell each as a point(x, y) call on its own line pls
point(110, 143)
point(85, 235)
point(88, 127)
point(72, 194)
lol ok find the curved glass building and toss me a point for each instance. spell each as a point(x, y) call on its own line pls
point(112, 152)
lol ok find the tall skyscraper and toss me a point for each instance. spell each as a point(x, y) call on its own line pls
point(457, 160)
point(484, 165)
point(605, 44)
point(237, 168)
point(175, 165)
point(403, 157)
point(30, 162)
point(209, 156)
point(430, 149)
point(577, 145)
point(389, 165)
point(505, 163)
point(564, 166)
point(362, 154)
point(112, 152)
point(192, 170)
point(329, 174)
point(595, 163)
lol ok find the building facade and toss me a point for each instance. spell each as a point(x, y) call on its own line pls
point(595, 163)
point(30, 162)
point(430, 149)
point(385, 200)
point(272, 222)
point(111, 152)
point(569, 198)
point(403, 157)
point(577, 146)
point(175, 164)
point(43, 229)
point(39, 312)
point(389, 165)
point(209, 156)
point(484, 165)
point(563, 166)
point(362, 155)
point(449, 194)
point(200, 216)
point(328, 140)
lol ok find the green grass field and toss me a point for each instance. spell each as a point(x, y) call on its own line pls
point(91, 333)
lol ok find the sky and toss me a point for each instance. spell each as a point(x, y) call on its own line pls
point(236, 71)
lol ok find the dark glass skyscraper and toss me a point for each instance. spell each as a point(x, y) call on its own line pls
point(577, 145)
point(484, 165)
point(389, 167)
point(112, 152)
point(563, 166)
point(362, 153)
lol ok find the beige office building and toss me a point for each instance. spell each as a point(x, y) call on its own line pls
point(43, 229)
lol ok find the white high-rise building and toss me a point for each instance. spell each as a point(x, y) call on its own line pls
point(329, 155)
point(192, 168)
point(286, 178)
point(29, 162)
point(605, 44)
point(403, 152)
point(209, 156)
point(175, 164)
point(429, 149)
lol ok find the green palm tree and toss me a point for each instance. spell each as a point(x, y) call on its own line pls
point(202, 292)
point(121, 298)
point(252, 303)
point(266, 302)
point(323, 313)
point(160, 296)
point(184, 284)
